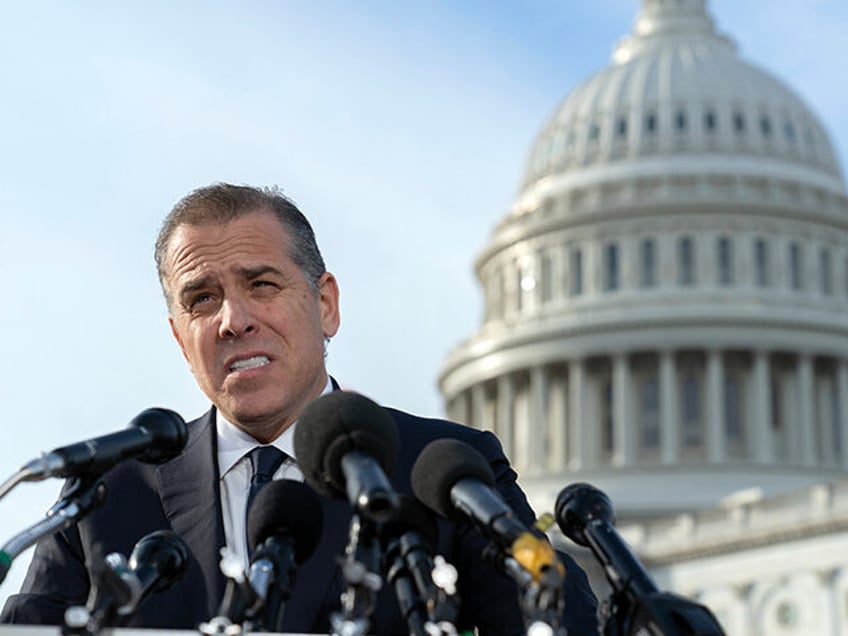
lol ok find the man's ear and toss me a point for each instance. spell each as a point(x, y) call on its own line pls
point(179, 340)
point(328, 296)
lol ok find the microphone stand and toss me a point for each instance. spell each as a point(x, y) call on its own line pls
point(360, 567)
point(540, 601)
point(110, 594)
point(239, 599)
point(435, 582)
point(83, 495)
point(660, 613)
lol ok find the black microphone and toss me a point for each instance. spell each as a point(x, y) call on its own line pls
point(345, 444)
point(455, 480)
point(284, 527)
point(585, 515)
point(158, 560)
point(155, 436)
point(407, 538)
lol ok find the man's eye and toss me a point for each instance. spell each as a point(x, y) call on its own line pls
point(199, 300)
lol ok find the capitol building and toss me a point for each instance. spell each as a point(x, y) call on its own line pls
point(666, 317)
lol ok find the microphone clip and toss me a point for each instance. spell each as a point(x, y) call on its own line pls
point(360, 568)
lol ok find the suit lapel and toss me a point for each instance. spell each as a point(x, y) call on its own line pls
point(191, 502)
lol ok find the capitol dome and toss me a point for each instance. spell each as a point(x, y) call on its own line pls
point(665, 301)
point(677, 87)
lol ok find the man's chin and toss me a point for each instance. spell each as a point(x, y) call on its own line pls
point(262, 424)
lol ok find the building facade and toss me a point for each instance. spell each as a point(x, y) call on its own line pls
point(666, 300)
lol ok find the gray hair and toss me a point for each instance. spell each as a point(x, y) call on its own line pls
point(223, 202)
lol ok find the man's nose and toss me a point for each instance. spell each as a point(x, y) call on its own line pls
point(236, 319)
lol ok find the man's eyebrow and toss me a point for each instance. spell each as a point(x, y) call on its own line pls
point(192, 286)
point(250, 273)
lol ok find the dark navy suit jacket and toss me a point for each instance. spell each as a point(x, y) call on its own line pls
point(182, 495)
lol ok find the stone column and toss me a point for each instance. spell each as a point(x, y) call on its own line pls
point(557, 422)
point(459, 408)
point(538, 433)
point(716, 451)
point(478, 407)
point(806, 424)
point(623, 449)
point(669, 410)
point(763, 450)
point(578, 455)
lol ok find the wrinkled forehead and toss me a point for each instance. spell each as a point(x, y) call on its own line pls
point(249, 241)
point(217, 237)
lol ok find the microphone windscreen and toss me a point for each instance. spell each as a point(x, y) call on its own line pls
point(576, 505)
point(440, 465)
point(336, 424)
point(159, 559)
point(168, 433)
point(410, 515)
point(286, 508)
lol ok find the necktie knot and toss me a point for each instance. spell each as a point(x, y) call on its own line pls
point(264, 462)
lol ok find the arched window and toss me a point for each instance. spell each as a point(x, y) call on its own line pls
point(826, 272)
point(710, 122)
point(651, 123)
point(648, 263)
point(575, 270)
point(686, 261)
point(796, 270)
point(611, 267)
point(725, 261)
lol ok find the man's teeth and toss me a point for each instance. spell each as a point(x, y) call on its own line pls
point(249, 363)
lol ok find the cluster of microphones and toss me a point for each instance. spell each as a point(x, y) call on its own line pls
point(345, 446)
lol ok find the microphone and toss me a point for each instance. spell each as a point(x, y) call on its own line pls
point(585, 515)
point(154, 436)
point(345, 444)
point(158, 560)
point(283, 528)
point(455, 480)
point(408, 538)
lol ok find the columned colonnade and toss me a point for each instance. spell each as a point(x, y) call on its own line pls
point(633, 408)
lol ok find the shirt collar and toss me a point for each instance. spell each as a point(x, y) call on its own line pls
point(234, 443)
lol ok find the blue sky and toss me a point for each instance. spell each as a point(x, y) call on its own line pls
point(400, 128)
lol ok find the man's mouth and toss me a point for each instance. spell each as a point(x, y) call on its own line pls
point(249, 363)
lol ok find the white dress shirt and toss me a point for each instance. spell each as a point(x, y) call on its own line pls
point(235, 470)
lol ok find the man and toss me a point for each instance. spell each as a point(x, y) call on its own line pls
point(251, 306)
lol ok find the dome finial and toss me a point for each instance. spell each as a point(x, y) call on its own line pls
point(660, 19)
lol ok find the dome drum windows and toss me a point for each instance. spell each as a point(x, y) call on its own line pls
point(575, 271)
point(612, 267)
point(648, 263)
point(724, 261)
point(686, 262)
point(825, 272)
point(796, 267)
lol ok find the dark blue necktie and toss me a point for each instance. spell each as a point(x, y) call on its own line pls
point(264, 462)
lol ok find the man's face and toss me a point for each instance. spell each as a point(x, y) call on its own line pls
point(249, 324)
